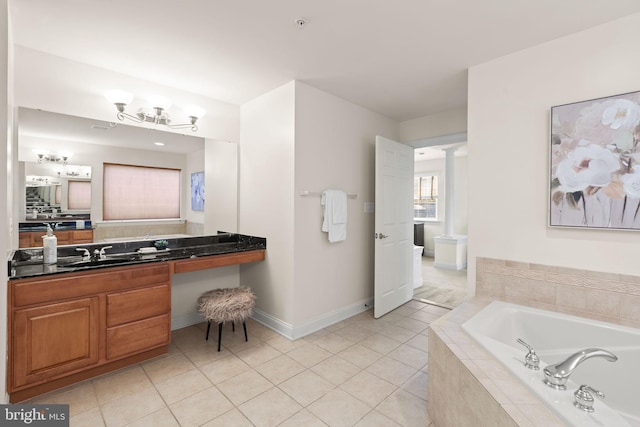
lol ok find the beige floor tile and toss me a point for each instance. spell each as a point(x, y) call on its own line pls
point(232, 418)
point(306, 387)
point(376, 419)
point(405, 409)
point(245, 386)
point(333, 343)
point(417, 385)
point(410, 356)
point(280, 369)
point(90, 418)
point(161, 418)
point(120, 383)
point(425, 316)
point(203, 352)
point(335, 370)
point(339, 408)
point(285, 345)
point(303, 418)
point(127, 409)
point(80, 398)
point(397, 373)
point(162, 369)
point(354, 333)
point(421, 342)
point(223, 369)
point(368, 388)
point(182, 386)
point(412, 325)
point(258, 354)
point(397, 333)
point(201, 407)
point(360, 355)
point(380, 343)
point(309, 354)
point(270, 408)
point(405, 310)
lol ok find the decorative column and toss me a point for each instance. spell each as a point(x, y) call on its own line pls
point(450, 248)
point(448, 190)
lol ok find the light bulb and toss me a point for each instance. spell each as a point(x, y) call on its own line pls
point(117, 96)
point(194, 111)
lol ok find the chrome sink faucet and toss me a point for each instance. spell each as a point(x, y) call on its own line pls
point(556, 376)
point(103, 255)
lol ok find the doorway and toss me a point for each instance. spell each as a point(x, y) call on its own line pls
point(441, 284)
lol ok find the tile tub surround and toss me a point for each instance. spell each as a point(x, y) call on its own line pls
point(609, 297)
point(469, 387)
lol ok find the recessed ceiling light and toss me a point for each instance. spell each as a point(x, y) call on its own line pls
point(159, 143)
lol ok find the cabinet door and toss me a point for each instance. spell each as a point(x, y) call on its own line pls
point(81, 236)
point(53, 340)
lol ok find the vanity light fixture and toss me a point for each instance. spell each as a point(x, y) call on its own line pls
point(157, 114)
point(52, 158)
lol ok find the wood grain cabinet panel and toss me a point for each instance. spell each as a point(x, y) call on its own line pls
point(134, 337)
point(124, 307)
point(33, 239)
point(54, 340)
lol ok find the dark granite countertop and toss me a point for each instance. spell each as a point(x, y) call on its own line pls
point(62, 224)
point(25, 263)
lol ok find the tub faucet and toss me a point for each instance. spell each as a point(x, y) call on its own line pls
point(556, 376)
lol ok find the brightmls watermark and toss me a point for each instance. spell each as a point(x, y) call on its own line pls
point(34, 415)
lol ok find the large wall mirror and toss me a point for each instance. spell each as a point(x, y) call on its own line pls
point(61, 155)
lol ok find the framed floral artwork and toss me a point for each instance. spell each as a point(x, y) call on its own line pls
point(595, 163)
point(197, 191)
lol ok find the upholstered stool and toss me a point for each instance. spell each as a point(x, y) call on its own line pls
point(226, 305)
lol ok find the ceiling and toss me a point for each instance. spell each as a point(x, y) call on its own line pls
point(403, 59)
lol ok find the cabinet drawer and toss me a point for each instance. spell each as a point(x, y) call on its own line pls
point(125, 307)
point(138, 336)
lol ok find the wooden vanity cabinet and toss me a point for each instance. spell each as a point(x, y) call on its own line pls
point(33, 239)
point(68, 327)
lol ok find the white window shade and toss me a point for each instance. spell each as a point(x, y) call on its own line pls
point(138, 192)
point(78, 195)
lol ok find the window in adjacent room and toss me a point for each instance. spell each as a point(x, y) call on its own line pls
point(140, 192)
point(425, 197)
point(78, 195)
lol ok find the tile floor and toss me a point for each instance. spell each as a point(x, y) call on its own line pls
point(359, 372)
point(442, 286)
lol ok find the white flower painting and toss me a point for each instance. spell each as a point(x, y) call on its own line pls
point(595, 163)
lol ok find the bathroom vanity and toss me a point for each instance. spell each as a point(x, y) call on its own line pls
point(83, 316)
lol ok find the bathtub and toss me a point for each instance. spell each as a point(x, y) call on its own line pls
point(556, 336)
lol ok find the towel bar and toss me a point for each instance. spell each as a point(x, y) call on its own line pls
point(318, 194)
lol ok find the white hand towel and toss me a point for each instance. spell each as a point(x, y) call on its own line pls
point(334, 208)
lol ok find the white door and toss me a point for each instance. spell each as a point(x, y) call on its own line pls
point(393, 225)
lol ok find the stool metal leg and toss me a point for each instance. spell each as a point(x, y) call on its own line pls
point(233, 326)
point(244, 326)
point(219, 334)
point(208, 328)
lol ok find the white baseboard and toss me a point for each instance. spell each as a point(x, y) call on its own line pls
point(294, 332)
point(283, 328)
point(451, 266)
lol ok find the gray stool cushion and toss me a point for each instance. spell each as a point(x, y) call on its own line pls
point(227, 305)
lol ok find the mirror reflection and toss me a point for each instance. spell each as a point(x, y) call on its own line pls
point(57, 191)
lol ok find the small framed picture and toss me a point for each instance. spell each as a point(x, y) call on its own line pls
point(197, 191)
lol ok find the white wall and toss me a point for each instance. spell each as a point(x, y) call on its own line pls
point(221, 186)
point(267, 135)
point(509, 107)
point(444, 123)
point(334, 148)
point(436, 228)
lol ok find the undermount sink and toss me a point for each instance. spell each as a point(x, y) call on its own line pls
point(106, 261)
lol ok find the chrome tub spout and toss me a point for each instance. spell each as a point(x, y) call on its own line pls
point(556, 376)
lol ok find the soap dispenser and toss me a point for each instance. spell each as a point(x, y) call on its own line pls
point(50, 247)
